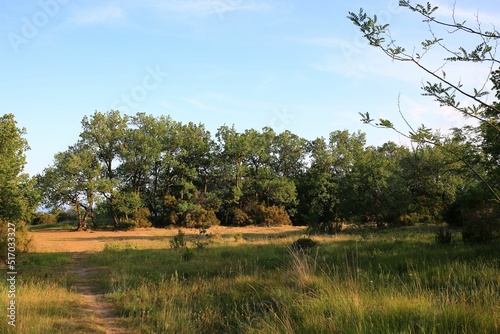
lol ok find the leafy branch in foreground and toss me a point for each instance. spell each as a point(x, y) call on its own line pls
point(469, 102)
point(444, 91)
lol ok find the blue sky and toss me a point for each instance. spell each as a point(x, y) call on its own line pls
point(292, 64)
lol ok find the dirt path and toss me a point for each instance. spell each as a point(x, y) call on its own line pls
point(100, 312)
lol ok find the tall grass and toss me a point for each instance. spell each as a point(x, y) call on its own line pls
point(374, 283)
point(44, 300)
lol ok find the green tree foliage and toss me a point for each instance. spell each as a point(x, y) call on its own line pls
point(318, 192)
point(74, 180)
point(18, 198)
point(165, 172)
point(103, 133)
point(12, 152)
point(449, 91)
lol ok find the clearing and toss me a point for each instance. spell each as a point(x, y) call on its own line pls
point(93, 304)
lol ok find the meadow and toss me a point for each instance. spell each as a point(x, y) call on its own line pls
point(360, 281)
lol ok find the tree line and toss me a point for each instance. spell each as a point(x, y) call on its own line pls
point(143, 170)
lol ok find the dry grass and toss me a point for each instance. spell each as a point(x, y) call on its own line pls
point(150, 238)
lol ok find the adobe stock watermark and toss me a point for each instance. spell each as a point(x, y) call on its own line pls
point(281, 119)
point(222, 6)
point(11, 274)
point(31, 26)
point(151, 81)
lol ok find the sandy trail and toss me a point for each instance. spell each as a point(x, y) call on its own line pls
point(99, 312)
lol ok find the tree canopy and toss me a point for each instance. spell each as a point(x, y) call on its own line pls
point(141, 170)
point(15, 197)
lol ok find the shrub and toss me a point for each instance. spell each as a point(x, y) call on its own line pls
point(178, 240)
point(200, 217)
point(453, 215)
point(202, 238)
point(270, 215)
point(23, 240)
point(443, 236)
point(141, 217)
point(239, 217)
point(277, 216)
point(42, 218)
point(332, 227)
point(303, 244)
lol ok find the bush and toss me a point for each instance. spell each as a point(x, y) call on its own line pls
point(239, 217)
point(277, 216)
point(42, 218)
point(453, 215)
point(23, 240)
point(303, 244)
point(270, 215)
point(481, 225)
point(141, 218)
point(187, 255)
point(178, 240)
point(200, 217)
point(413, 218)
point(443, 236)
point(202, 238)
point(332, 227)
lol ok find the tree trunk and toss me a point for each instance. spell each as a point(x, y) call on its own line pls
point(113, 211)
point(81, 221)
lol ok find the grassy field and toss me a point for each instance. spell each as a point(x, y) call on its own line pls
point(389, 281)
point(44, 300)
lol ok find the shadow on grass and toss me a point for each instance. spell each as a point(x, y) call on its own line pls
point(64, 226)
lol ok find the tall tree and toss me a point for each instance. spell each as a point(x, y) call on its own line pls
point(104, 134)
point(317, 190)
point(141, 150)
point(231, 151)
point(13, 146)
point(18, 198)
point(74, 180)
point(289, 154)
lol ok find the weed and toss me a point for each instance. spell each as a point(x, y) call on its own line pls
point(187, 255)
point(178, 240)
point(202, 238)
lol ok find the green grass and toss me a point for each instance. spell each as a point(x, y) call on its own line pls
point(67, 225)
point(364, 281)
point(44, 300)
point(375, 282)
